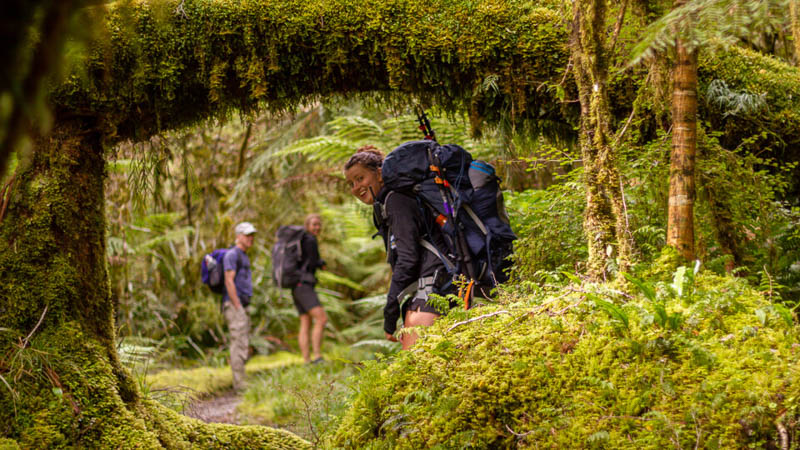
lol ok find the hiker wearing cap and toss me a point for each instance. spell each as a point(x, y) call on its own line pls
point(236, 297)
point(416, 272)
point(305, 298)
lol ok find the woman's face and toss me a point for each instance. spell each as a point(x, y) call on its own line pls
point(314, 226)
point(364, 182)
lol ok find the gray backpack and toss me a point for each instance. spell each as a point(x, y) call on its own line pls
point(287, 256)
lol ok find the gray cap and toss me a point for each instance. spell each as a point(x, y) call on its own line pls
point(245, 228)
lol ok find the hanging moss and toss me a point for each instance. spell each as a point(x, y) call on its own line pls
point(158, 68)
point(718, 368)
point(163, 69)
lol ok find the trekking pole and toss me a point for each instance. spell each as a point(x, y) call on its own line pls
point(425, 125)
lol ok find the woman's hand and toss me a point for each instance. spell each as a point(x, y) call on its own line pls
point(391, 337)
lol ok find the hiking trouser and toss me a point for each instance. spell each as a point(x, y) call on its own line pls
point(239, 328)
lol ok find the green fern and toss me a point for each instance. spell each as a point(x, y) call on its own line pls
point(710, 24)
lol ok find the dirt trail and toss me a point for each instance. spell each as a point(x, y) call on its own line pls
point(219, 409)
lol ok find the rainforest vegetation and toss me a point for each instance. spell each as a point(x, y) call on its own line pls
point(648, 152)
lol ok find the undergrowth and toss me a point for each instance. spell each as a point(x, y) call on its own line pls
point(693, 360)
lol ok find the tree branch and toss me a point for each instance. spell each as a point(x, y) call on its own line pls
point(474, 319)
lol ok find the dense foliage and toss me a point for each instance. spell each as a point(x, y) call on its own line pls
point(687, 360)
point(691, 361)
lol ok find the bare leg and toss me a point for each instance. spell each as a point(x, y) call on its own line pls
point(302, 336)
point(415, 319)
point(320, 319)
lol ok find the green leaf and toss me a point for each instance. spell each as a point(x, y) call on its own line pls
point(678, 280)
point(761, 313)
point(331, 278)
point(785, 314)
point(572, 277)
point(661, 315)
point(644, 288)
point(614, 311)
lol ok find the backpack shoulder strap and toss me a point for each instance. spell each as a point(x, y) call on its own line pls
point(380, 217)
point(238, 258)
point(475, 219)
point(384, 214)
point(449, 266)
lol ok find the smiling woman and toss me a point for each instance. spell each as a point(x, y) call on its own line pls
point(363, 174)
point(401, 224)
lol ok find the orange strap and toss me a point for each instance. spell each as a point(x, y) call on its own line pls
point(467, 294)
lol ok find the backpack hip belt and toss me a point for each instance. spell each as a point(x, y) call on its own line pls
point(419, 290)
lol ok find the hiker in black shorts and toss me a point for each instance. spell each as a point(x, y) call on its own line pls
point(305, 299)
point(415, 270)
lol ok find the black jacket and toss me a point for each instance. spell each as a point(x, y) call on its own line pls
point(311, 260)
point(404, 224)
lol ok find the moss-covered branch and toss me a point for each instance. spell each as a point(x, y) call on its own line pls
point(157, 68)
point(160, 69)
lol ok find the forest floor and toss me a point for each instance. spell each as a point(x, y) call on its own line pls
point(205, 392)
point(218, 409)
point(282, 391)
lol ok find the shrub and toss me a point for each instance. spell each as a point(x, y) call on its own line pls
point(701, 361)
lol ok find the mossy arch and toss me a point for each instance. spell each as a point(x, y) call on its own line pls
point(167, 64)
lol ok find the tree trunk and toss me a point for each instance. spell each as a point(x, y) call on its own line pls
point(605, 223)
point(794, 12)
point(62, 382)
point(680, 223)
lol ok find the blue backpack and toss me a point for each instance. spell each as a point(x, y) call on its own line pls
point(212, 270)
point(464, 200)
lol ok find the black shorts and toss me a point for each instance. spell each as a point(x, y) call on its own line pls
point(305, 299)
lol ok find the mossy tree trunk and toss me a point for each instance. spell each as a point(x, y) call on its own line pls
point(63, 382)
point(794, 11)
point(605, 222)
point(680, 220)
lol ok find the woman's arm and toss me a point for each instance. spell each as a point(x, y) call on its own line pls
point(402, 212)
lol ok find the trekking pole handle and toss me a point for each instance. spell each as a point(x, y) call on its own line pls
point(425, 125)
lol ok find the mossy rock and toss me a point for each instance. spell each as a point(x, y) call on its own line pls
point(716, 368)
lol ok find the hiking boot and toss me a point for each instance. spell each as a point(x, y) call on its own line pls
point(317, 361)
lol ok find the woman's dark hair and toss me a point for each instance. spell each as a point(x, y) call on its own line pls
point(368, 156)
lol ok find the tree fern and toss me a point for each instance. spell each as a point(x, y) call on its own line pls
point(714, 23)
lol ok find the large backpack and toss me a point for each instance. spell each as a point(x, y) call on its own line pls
point(287, 255)
point(464, 200)
point(212, 270)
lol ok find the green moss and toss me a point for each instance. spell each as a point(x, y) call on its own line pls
point(63, 383)
point(751, 71)
point(78, 405)
point(665, 264)
point(8, 444)
point(566, 372)
point(152, 69)
point(155, 71)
